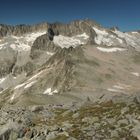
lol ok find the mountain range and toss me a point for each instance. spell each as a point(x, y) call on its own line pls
point(63, 64)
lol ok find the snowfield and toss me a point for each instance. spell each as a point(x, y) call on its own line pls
point(116, 38)
point(20, 47)
point(105, 38)
point(32, 37)
point(22, 43)
point(66, 42)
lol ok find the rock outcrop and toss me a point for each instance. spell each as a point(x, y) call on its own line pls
point(106, 120)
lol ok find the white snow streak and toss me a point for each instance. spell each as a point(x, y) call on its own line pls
point(110, 49)
point(3, 90)
point(135, 74)
point(118, 87)
point(15, 95)
point(35, 76)
point(19, 86)
point(114, 90)
point(30, 84)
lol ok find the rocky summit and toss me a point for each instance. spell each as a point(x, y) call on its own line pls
point(75, 81)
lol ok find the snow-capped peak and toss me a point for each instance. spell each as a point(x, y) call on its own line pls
point(105, 38)
point(116, 38)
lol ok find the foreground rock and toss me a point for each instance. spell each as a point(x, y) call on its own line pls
point(89, 121)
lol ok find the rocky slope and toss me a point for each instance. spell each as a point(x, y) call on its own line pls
point(90, 121)
point(47, 67)
point(19, 30)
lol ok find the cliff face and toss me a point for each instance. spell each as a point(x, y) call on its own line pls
point(75, 27)
point(19, 30)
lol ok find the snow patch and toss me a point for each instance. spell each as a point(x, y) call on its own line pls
point(84, 36)
point(102, 32)
point(20, 47)
point(3, 90)
point(22, 43)
point(2, 46)
point(55, 91)
point(110, 49)
point(14, 96)
point(2, 80)
point(31, 37)
point(135, 74)
point(16, 37)
point(35, 76)
point(49, 91)
point(49, 53)
point(66, 42)
point(134, 32)
point(19, 86)
point(130, 39)
point(105, 38)
point(118, 87)
point(116, 38)
point(114, 90)
point(30, 84)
